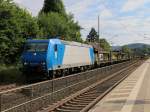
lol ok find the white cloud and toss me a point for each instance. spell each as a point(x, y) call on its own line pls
point(79, 6)
point(86, 12)
point(132, 5)
point(130, 29)
point(18, 1)
point(34, 6)
point(105, 13)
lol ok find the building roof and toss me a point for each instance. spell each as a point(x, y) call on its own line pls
point(97, 47)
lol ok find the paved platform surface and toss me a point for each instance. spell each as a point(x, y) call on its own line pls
point(131, 95)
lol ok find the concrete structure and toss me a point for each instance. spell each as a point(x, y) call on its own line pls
point(132, 95)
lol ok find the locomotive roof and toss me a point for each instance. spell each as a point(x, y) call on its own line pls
point(63, 41)
point(75, 43)
point(38, 40)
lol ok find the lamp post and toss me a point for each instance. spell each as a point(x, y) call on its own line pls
point(98, 26)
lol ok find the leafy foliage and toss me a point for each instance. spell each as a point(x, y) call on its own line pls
point(54, 24)
point(93, 36)
point(15, 25)
point(143, 51)
point(146, 50)
point(126, 49)
point(105, 45)
point(56, 6)
point(137, 49)
point(54, 21)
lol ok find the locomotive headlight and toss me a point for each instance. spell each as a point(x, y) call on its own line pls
point(25, 63)
point(43, 63)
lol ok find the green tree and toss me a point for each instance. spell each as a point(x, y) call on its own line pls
point(126, 49)
point(53, 24)
point(73, 29)
point(93, 36)
point(56, 6)
point(16, 25)
point(104, 44)
point(146, 50)
point(54, 21)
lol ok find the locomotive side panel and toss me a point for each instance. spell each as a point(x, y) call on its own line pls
point(77, 56)
point(66, 54)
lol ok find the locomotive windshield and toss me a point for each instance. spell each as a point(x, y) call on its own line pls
point(36, 47)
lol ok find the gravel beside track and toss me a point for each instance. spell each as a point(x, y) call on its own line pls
point(7, 87)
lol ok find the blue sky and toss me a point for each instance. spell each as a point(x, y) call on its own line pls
point(121, 21)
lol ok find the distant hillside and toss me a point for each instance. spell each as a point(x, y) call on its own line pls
point(137, 45)
point(132, 46)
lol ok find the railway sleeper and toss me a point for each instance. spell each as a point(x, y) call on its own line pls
point(77, 103)
point(72, 105)
point(104, 88)
point(97, 92)
point(89, 92)
point(65, 110)
point(93, 93)
point(86, 99)
point(87, 96)
point(111, 84)
point(91, 97)
point(71, 108)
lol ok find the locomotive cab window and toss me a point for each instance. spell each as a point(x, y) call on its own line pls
point(36, 47)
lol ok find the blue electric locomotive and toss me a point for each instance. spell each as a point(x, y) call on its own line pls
point(56, 56)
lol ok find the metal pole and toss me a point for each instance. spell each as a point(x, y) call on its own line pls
point(110, 56)
point(98, 27)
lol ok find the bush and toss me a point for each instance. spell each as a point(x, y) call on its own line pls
point(16, 25)
point(10, 74)
point(54, 24)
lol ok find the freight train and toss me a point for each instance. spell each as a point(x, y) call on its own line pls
point(54, 57)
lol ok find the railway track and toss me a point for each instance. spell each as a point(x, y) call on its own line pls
point(55, 94)
point(83, 100)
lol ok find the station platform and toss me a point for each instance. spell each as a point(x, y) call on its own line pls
point(131, 95)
